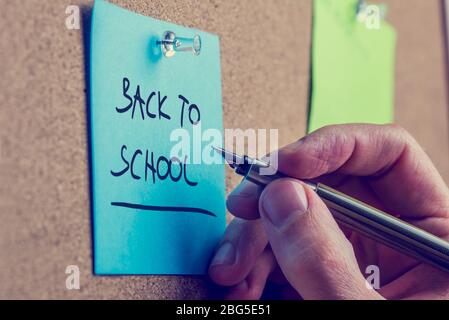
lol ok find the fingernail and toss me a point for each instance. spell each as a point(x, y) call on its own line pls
point(225, 255)
point(283, 200)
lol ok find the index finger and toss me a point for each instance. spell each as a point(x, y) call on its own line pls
point(390, 160)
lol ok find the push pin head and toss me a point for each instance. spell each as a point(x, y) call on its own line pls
point(171, 44)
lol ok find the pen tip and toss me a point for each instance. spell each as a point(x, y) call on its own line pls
point(229, 157)
point(218, 149)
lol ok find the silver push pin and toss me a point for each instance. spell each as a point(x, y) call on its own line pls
point(171, 44)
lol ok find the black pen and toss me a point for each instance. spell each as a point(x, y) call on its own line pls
point(357, 215)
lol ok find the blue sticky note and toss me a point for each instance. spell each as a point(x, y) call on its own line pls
point(153, 213)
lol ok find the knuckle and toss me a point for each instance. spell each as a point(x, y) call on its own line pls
point(329, 151)
point(396, 141)
point(311, 260)
point(400, 133)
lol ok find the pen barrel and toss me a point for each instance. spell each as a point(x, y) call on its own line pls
point(385, 228)
point(371, 222)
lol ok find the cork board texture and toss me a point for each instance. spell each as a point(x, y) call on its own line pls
point(44, 182)
point(421, 75)
point(44, 189)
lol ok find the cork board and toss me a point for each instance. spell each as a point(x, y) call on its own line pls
point(44, 190)
point(44, 183)
point(421, 75)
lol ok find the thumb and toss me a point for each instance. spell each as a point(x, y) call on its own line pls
point(312, 251)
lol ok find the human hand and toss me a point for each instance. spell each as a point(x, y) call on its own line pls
point(297, 244)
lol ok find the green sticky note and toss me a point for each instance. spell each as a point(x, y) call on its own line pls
point(153, 213)
point(352, 67)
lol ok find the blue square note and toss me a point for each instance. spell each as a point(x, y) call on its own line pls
point(153, 213)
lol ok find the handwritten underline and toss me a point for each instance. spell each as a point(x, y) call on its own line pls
point(162, 208)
